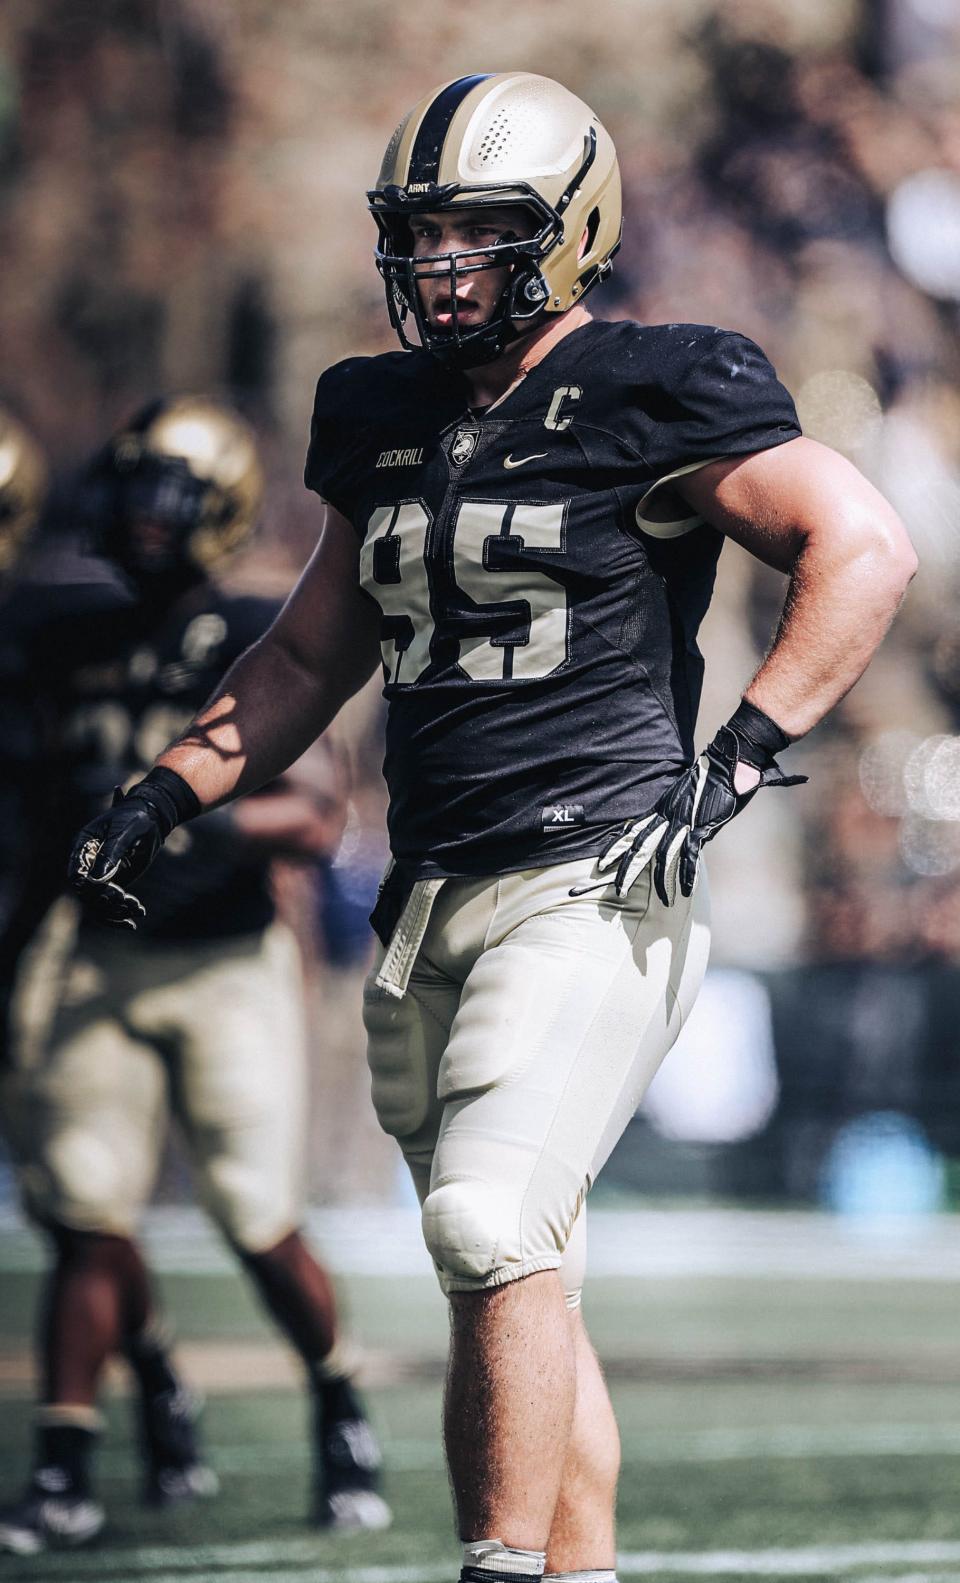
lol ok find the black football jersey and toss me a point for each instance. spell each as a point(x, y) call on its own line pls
point(120, 681)
point(44, 632)
point(539, 639)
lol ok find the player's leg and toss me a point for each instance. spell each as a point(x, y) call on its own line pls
point(90, 1296)
point(168, 1412)
point(240, 1096)
point(84, 1128)
point(99, 1302)
point(298, 1293)
point(567, 1453)
point(562, 1023)
point(583, 1519)
point(97, 1295)
point(508, 1411)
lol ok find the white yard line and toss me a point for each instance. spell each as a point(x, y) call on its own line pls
point(906, 1577)
point(441, 1575)
point(814, 1561)
point(188, 1565)
point(310, 1573)
point(241, 1563)
point(231, 1561)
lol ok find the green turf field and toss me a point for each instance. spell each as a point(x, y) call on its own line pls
point(772, 1429)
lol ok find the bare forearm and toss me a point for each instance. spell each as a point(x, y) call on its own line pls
point(835, 616)
point(285, 690)
point(265, 713)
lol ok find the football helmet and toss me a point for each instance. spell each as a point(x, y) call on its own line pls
point(485, 141)
point(188, 466)
point(23, 487)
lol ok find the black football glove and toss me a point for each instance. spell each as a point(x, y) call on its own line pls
point(116, 847)
point(698, 804)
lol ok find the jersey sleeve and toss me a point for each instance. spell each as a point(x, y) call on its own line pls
point(338, 437)
point(729, 402)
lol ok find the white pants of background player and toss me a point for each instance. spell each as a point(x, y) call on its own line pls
point(121, 1032)
point(531, 1026)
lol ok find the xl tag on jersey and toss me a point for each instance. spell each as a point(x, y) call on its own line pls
point(561, 813)
point(464, 445)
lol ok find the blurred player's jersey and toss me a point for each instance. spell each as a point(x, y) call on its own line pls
point(539, 639)
point(120, 680)
point(121, 712)
point(42, 628)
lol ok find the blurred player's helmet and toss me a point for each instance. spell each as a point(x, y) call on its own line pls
point(23, 487)
point(180, 485)
point(509, 138)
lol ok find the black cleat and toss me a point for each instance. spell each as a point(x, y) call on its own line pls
point(347, 1499)
point(175, 1469)
point(52, 1514)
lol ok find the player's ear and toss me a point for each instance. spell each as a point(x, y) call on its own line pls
point(584, 242)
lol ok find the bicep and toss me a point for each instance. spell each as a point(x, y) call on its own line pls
point(777, 503)
point(328, 625)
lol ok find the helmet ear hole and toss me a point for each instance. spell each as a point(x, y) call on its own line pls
point(590, 233)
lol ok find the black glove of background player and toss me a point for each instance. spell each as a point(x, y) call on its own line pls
point(116, 847)
point(698, 804)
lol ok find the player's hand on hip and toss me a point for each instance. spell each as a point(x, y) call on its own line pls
point(705, 797)
point(116, 847)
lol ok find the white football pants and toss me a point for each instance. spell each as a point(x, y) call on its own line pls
point(531, 1026)
point(134, 1029)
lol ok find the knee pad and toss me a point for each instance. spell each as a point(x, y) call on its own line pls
point(100, 1200)
point(463, 1227)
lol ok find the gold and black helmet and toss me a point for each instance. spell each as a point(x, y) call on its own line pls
point(23, 487)
point(188, 466)
point(508, 138)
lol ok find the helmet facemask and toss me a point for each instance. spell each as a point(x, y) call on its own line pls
point(156, 505)
point(520, 302)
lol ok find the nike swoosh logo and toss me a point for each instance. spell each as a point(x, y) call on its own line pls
point(537, 456)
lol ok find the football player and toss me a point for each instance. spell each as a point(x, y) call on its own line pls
point(523, 514)
point(198, 1012)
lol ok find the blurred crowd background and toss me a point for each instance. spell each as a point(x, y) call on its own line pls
point(182, 209)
